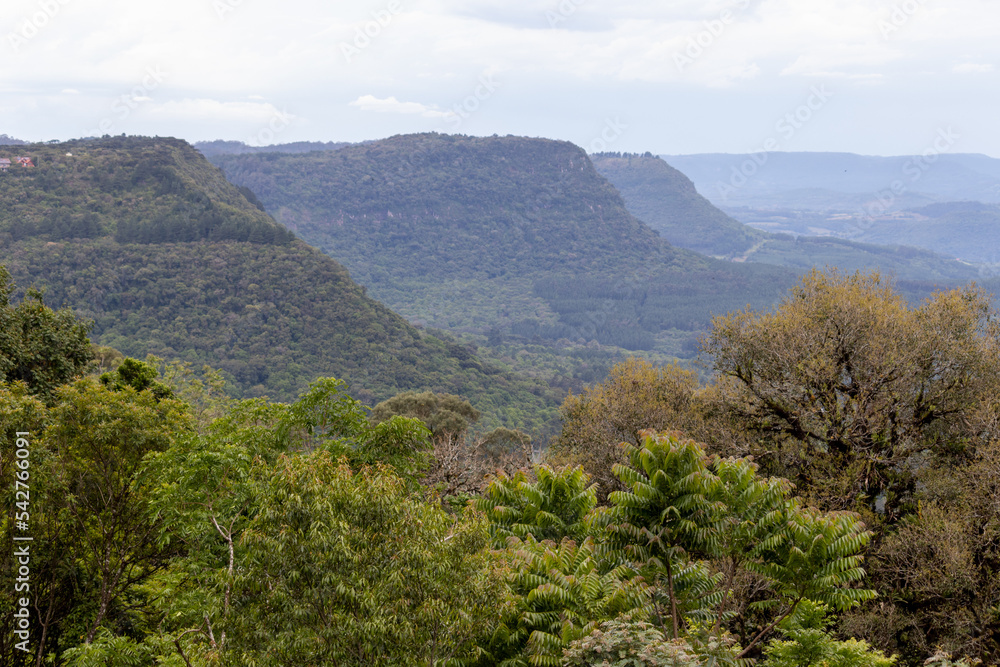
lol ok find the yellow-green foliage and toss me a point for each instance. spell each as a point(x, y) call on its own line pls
point(634, 397)
point(346, 567)
point(808, 644)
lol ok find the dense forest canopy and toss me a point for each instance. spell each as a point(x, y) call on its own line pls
point(138, 190)
point(759, 521)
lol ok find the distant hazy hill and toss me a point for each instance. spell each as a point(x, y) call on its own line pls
point(660, 195)
point(6, 140)
point(863, 198)
point(967, 230)
point(509, 233)
point(838, 180)
point(220, 147)
point(241, 295)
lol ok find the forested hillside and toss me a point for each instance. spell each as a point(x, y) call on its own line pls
point(519, 236)
point(149, 240)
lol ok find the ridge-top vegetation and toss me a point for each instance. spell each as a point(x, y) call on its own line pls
point(137, 190)
point(513, 235)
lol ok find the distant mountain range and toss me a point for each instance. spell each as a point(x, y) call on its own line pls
point(826, 181)
point(883, 200)
point(666, 199)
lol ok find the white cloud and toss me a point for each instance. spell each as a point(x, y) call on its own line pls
point(392, 105)
point(599, 60)
point(973, 68)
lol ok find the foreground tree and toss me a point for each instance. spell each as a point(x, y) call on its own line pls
point(669, 550)
point(208, 492)
point(347, 568)
point(872, 405)
point(100, 438)
point(845, 384)
point(807, 643)
point(552, 506)
point(687, 523)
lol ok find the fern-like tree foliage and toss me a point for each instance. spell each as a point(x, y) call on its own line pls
point(552, 507)
point(566, 592)
point(690, 525)
point(664, 521)
point(817, 558)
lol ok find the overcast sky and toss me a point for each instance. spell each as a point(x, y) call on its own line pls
point(864, 76)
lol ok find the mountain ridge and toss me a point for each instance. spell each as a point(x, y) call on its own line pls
point(438, 225)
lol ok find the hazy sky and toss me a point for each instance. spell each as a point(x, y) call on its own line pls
point(866, 76)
